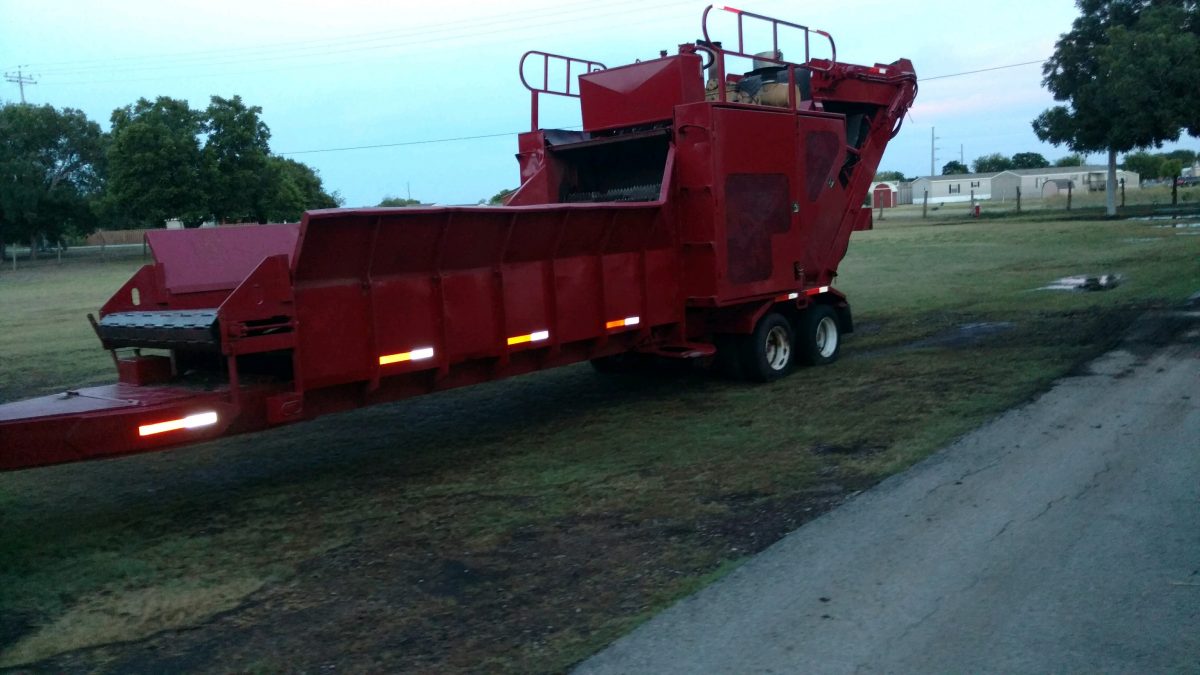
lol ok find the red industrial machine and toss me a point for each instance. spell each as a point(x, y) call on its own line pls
point(698, 213)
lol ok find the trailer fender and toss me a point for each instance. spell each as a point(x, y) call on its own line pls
point(841, 307)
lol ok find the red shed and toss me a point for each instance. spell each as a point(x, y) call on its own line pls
point(883, 195)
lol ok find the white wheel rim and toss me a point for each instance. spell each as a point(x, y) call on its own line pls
point(827, 337)
point(778, 348)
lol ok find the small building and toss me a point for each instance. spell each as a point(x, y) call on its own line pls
point(1002, 185)
point(1089, 178)
point(883, 194)
point(959, 187)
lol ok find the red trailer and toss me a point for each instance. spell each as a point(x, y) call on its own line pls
point(684, 220)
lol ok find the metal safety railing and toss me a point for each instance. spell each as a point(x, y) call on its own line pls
point(582, 67)
point(720, 51)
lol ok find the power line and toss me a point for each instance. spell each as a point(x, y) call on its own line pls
point(401, 143)
point(981, 70)
point(347, 45)
point(513, 133)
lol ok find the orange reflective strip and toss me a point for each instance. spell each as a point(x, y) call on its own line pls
point(414, 355)
point(627, 321)
point(532, 337)
point(203, 419)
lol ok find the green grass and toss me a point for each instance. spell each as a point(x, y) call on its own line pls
point(578, 505)
point(46, 342)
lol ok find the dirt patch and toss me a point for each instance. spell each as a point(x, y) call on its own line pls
point(415, 603)
point(965, 335)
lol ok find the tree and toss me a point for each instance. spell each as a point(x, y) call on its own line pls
point(1029, 160)
point(48, 172)
point(1143, 163)
point(992, 163)
point(1126, 71)
point(154, 165)
point(235, 159)
point(1185, 157)
point(501, 197)
point(1171, 168)
point(1069, 160)
point(954, 166)
point(890, 176)
point(289, 188)
point(399, 201)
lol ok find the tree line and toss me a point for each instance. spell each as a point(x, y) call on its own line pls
point(1146, 165)
point(61, 175)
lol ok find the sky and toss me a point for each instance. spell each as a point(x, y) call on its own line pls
point(407, 76)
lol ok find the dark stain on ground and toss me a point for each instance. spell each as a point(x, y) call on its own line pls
point(410, 604)
point(964, 335)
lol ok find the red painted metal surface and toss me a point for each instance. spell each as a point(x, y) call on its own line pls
point(669, 220)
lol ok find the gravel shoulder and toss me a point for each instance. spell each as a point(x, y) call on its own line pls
point(1064, 536)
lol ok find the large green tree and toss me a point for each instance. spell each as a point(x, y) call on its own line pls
point(1074, 159)
point(159, 167)
point(48, 172)
point(1029, 160)
point(1127, 73)
point(154, 165)
point(235, 159)
point(992, 163)
point(1185, 157)
point(289, 188)
point(1143, 163)
point(954, 167)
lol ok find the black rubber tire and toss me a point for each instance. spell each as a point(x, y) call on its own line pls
point(769, 352)
point(818, 325)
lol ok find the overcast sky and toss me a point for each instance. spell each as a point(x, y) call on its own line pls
point(343, 74)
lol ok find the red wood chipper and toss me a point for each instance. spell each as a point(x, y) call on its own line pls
point(699, 213)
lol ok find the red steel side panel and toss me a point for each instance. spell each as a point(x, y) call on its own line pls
point(464, 282)
point(640, 93)
point(206, 259)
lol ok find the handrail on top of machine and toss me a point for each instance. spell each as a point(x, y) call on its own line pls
point(775, 24)
point(545, 88)
point(719, 52)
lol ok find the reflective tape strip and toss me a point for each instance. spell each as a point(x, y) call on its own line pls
point(203, 419)
point(414, 355)
point(728, 9)
point(537, 336)
point(785, 298)
point(817, 291)
point(627, 321)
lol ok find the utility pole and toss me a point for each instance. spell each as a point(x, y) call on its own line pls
point(21, 79)
point(960, 155)
point(932, 151)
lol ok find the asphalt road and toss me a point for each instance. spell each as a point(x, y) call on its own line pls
point(1062, 537)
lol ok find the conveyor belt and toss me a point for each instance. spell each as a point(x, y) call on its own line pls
point(189, 329)
point(629, 193)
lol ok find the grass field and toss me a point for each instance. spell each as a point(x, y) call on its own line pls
point(521, 525)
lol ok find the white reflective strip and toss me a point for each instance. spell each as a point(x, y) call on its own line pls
point(539, 335)
point(203, 419)
point(632, 320)
point(823, 289)
point(793, 296)
point(422, 353)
